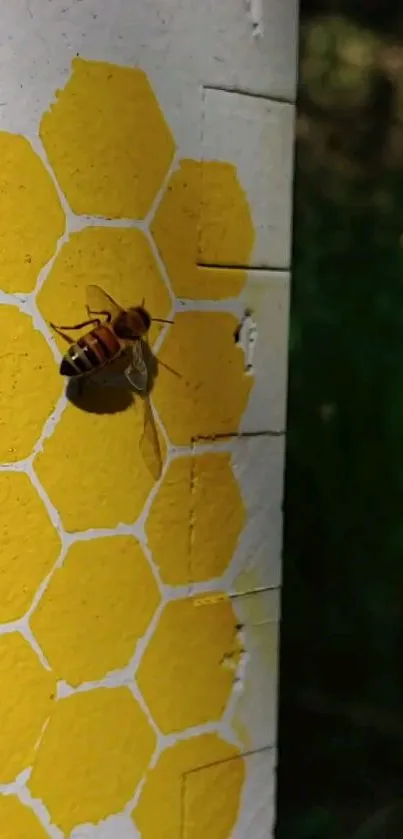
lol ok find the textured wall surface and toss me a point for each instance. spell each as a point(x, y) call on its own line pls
point(146, 148)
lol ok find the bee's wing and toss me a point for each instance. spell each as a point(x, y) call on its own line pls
point(137, 372)
point(149, 443)
point(99, 302)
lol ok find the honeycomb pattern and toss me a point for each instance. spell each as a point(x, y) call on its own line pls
point(111, 667)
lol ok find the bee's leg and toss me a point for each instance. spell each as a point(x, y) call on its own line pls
point(107, 315)
point(167, 367)
point(90, 322)
point(62, 334)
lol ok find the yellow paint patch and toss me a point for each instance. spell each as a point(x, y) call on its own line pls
point(118, 259)
point(200, 507)
point(212, 392)
point(166, 782)
point(29, 384)
point(29, 544)
point(107, 486)
point(183, 674)
point(91, 757)
point(219, 787)
point(35, 219)
point(96, 607)
point(226, 231)
point(18, 821)
point(107, 140)
point(27, 692)
point(176, 228)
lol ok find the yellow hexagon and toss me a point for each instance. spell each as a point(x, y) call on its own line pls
point(96, 607)
point(91, 757)
point(216, 804)
point(16, 820)
point(184, 674)
point(29, 387)
point(212, 391)
point(27, 693)
point(92, 466)
point(118, 259)
point(196, 493)
point(35, 219)
point(204, 217)
point(29, 544)
point(107, 140)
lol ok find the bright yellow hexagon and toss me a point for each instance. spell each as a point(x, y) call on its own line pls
point(35, 219)
point(212, 391)
point(96, 607)
point(92, 466)
point(91, 757)
point(18, 821)
point(27, 694)
point(29, 544)
point(204, 217)
point(200, 506)
point(184, 674)
point(216, 804)
point(29, 384)
point(120, 260)
point(107, 140)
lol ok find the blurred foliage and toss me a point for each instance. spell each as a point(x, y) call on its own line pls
point(341, 717)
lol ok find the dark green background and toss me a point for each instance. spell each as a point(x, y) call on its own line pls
point(341, 718)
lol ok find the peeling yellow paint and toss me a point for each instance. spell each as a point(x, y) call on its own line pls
point(27, 693)
point(91, 757)
point(181, 674)
point(91, 617)
point(203, 200)
point(166, 784)
point(200, 506)
point(18, 821)
point(212, 392)
point(107, 140)
point(27, 197)
point(111, 149)
point(29, 384)
point(27, 553)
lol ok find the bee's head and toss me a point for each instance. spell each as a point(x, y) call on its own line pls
point(139, 313)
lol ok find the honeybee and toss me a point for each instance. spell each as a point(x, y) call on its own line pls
point(114, 331)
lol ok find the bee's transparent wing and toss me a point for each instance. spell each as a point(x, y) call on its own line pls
point(137, 373)
point(99, 302)
point(149, 443)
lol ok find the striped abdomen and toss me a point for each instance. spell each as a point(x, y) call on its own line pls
point(90, 352)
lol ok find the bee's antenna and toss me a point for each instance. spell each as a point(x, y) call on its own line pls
point(160, 320)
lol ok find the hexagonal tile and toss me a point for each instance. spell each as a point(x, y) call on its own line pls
point(27, 198)
point(96, 607)
point(212, 391)
point(18, 820)
point(91, 757)
point(107, 140)
point(27, 553)
point(184, 674)
point(165, 784)
point(30, 384)
point(27, 692)
point(204, 213)
point(200, 506)
point(120, 260)
point(109, 486)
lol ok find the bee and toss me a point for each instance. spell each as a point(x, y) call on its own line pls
point(114, 331)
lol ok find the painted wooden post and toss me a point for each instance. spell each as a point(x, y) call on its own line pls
point(147, 148)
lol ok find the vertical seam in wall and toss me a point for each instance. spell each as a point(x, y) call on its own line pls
point(192, 514)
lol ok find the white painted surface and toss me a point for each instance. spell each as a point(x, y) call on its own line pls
point(188, 47)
